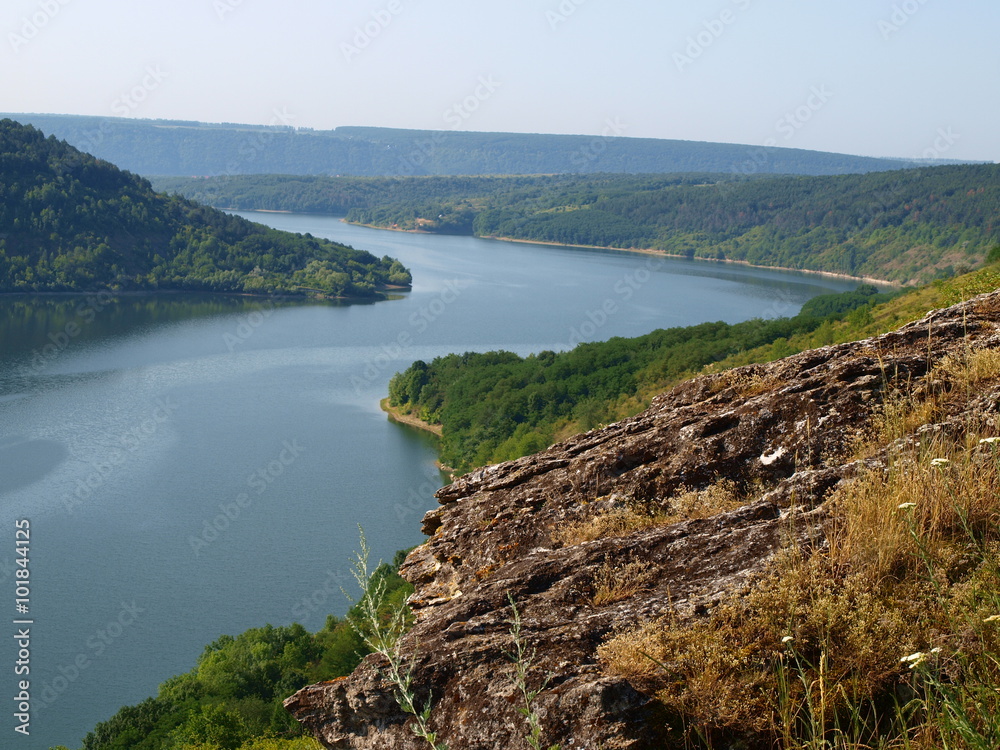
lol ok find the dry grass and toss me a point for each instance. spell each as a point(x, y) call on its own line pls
point(614, 523)
point(972, 366)
point(684, 505)
point(746, 382)
point(810, 657)
point(717, 498)
point(615, 581)
point(720, 672)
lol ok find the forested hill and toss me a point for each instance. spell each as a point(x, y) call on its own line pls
point(71, 222)
point(909, 225)
point(162, 147)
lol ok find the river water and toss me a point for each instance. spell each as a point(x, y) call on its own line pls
point(195, 466)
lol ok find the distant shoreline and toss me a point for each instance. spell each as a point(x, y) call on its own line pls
point(646, 251)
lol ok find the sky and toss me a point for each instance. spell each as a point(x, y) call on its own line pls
point(901, 78)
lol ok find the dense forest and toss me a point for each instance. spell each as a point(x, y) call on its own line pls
point(908, 226)
point(163, 147)
point(498, 406)
point(71, 222)
point(232, 699)
point(439, 204)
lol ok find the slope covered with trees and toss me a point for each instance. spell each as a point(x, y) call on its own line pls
point(498, 406)
point(71, 222)
point(908, 226)
point(169, 147)
point(232, 699)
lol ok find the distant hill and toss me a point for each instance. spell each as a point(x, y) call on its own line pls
point(71, 222)
point(182, 148)
point(909, 226)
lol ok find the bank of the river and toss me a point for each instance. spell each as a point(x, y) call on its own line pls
point(395, 415)
point(408, 419)
point(662, 254)
point(240, 433)
point(649, 251)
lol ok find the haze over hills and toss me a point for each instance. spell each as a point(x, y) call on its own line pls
point(175, 147)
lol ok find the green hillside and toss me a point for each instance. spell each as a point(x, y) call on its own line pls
point(498, 406)
point(71, 222)
point(908, 226)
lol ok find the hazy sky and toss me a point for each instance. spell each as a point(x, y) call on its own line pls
point(876, 77)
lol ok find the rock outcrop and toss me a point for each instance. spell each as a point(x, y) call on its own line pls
point(781, 433)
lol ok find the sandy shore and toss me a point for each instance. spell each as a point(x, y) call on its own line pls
point(650, 251)
point(396, 415)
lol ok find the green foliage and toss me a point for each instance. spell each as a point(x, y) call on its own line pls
point(906, 225)
point(70, 222)
point(232, 700)
point(380, 623)
point(499, 406)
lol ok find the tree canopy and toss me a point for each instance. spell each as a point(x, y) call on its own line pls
point(71, 222)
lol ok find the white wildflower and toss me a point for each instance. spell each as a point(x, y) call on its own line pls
point(939, 462)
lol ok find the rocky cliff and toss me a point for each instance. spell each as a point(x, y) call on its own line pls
point(780, 439)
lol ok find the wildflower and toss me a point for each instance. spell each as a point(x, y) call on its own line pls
point(907, 506)
point(936, 650)
point(990, 441)
point(915, 660)
point(992, 618)
point(939, 462)
point(787, 639)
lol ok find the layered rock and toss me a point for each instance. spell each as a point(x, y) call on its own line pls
point(783, 434)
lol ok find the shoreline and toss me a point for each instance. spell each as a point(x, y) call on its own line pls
point(395, 415)
point(662, 254)
point(648, 251)
point(384, 294)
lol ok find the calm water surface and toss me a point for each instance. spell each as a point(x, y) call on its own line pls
point(196, 466)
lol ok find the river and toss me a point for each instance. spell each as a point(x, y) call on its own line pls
point(195, 466)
